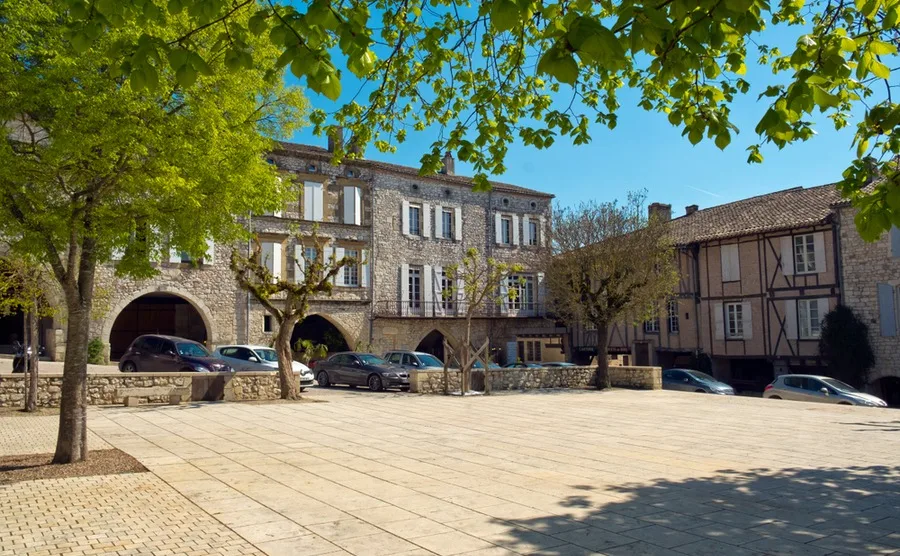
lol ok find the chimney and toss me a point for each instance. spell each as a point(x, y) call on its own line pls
point(690, 209)
point(660, 210)
point(354, 147)
point(449, 165)
point(335, 138)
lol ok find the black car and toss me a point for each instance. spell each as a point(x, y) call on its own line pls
point(361, 369)
point(169, 354)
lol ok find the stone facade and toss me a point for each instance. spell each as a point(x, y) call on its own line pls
point(864, 266)
point(107, 389)
point(642, 378)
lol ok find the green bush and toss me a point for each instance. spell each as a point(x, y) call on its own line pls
point(95, 352)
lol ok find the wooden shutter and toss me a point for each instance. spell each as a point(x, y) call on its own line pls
point(747, 316)
point(364, 280)
point(515, 229)
point(719, 319)
point(895, 241)
point(427, 291)
point(498, 228)
point(210, 256)
point(541, 301)
point(404, 217)
point(438, 291)
point(338, 279)
point(312, 201)
point(352, 204)
point(887, 310)
point(787, 256)
point(438, 221)
point(299, 264)
point(504, 296)
point(731, 262)
point(819, 250)
point(790, 319)
point(457, 217)
point(526, 230)
point(460, 296)
point(541, 232)
point(404, 290)
point(426, 220)
point(174, 255)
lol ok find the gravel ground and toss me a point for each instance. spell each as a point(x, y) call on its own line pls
point(30, 467)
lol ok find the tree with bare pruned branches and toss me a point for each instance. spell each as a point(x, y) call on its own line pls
point(608, 262)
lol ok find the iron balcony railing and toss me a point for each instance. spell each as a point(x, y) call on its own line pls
point(443, 309)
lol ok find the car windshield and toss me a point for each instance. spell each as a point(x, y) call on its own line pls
point(430, 360)
point(701, 376)
point(267, 354)
point(191, 349)
point(370, 359)
point(838, 385)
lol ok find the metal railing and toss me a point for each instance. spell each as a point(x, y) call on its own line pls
point(445, 309)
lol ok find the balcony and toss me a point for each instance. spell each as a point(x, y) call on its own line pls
point(452, 309)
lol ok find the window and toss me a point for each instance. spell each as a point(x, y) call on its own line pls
point(651, 326)
point(673, 316)
point(447, 223)
point(351, 271)
point(352, 205)
point(506, 230)
point(734, 320)
point(809, 317)
point(310, 254)
point(394, 358)
point(805, 254)
point(267, 323)
point(590, 326)
point(520, 292)
point(530, 350)
point(532, 233)
point(731, 262)
point(415, 220)
point(313, 197)
point(415, 290)
point(446, 300)
point(409, 360)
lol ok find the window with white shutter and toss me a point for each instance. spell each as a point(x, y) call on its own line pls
point(352, 205)
point(731, 262)
point(313, 198)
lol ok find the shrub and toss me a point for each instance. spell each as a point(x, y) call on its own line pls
point(95, 352)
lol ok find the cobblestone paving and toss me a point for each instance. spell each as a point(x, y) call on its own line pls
point(115, 514)
point(21, 434)
point(619, 472)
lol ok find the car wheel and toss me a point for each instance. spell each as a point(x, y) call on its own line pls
point(322, 378)
point(774, 397)
point(186, 370)
point(404, 388)
point(129, 367)
point(375, 383)
point(700, 391)
point(844, 403)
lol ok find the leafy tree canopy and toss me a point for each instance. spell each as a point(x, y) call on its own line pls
point(488, 73)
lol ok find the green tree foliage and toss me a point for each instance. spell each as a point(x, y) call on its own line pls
point(492, 72)
point(844, 344)
point(93, 164)
point(609, 263)
point(95, 352)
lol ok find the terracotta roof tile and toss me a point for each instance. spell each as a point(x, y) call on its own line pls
point(320, 153)
point(790, 208)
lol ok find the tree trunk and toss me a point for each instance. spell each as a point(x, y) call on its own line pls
point(289, 388)
point(71, 443)
point(602, 358)
point(34, 333)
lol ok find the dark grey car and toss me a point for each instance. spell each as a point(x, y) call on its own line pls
point(154, 353)
point(361, 369)
point(689, 380)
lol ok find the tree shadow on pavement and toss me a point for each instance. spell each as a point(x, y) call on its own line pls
point(852, 510)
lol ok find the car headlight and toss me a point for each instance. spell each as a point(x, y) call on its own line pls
point(390, 374)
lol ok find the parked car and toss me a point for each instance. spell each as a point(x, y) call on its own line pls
point(520, 365)
point(361, 369)
point(478, 365)
point(260, 358)
point(413, 360)
point(558, 364)
point(153, 353)
point(813, 388)
point(690, 380)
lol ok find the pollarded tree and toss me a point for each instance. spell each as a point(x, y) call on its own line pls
point(493, 72)
point(844, 344)
point(92, 163)
point(477, 285)
point(608, 263)
point(288, 300)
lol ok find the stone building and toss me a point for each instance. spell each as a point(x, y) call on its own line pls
point(870, 273)
point(757, 277)
point(404, 228)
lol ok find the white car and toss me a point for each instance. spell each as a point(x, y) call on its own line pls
point(260, 358)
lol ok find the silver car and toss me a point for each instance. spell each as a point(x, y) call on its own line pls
point(411, 360)
point(260, 358)
point(689, 380)
point(813, 388)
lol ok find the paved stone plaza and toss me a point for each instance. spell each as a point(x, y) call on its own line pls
point(555, 473)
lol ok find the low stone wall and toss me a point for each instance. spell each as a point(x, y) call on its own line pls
point(643, 378)
point(105, 389)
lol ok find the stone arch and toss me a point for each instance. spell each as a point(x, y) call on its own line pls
point(196, 303)
point(349, 339)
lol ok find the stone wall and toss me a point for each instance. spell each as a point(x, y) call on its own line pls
point(642, 378)
point(106, 389)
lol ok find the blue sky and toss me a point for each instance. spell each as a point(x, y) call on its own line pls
point(646, 152)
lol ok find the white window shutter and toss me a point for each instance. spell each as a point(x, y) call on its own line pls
point(895, 241)
point(819, 248)
point(526, 230)
point(504, 296)
point(404, 290)
point(364, 281)
point(427, 291)
point(460, 296)
point(349, 205)
point(437, 274)
point(327, 262)
point(457, 217)
point(276, 261)
point(731, 262)
point(887, 312)
point(174, 256)
point(210, 256)
point(426, 220)
point(338, 278)
point(438, 221)
point(299, 264)
point(404, 217)
point(318, 199)
point(787, 256)
point(309, 203)
point(790, 316)
point(719, 319)
point(823, 309)
point(723, 259)
point(541, 294)
point(515, 229)
point(541, 232)
point(117, 253)
point(747, 315)
point(498, 228)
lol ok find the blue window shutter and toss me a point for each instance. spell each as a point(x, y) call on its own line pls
point(888, 317)
point(895, 241)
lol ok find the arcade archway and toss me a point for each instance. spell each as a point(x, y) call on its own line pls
point(320, 330)
point(156, 313)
